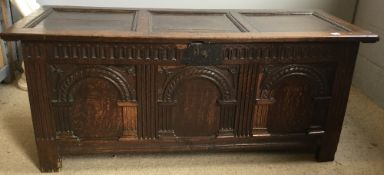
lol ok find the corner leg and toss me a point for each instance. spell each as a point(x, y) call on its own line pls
point(340, 93)
point(49, 158)
point(325, 154)
point(41, 107)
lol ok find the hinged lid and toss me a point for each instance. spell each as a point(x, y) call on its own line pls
point(154, 25)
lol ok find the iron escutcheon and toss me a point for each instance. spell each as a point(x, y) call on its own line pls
point(202, 54)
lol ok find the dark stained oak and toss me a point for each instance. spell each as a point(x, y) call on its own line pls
point(196, 112)
point(77, 20)
point(157, 80)
point(290, 23)
point(197, 22)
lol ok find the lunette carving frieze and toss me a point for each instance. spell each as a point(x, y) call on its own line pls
point(285, 52)
point(279, 52)
point(116, 51)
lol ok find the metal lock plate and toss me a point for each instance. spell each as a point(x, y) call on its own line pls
point(202, 54)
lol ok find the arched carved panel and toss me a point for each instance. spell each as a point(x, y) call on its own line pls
point(196, 103)
point(94, 111)
point(202, 95)
point(95, 102)
point(293, 109)
point(287, 102)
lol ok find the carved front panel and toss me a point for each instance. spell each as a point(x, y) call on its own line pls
point(95, 112)
point(196, 112)
point(257, 90)
point(293, 108)
point(292, 98)
point(94, 102)
point(196, 101)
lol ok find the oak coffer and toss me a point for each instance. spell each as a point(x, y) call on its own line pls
point(151, 80)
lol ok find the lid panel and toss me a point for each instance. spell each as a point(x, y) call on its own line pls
point(290, 23)
point(192, 22)
point(87, 20)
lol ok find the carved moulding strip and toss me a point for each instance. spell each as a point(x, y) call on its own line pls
point(245, 93)
point(281, 52)
point(227, 113)
point(62, 120)
point(126, 102)
point(33, 50)
point(175, 52)
point(272, 79)
point(166, 130)
point(108, 51)
point(227, 100)
point(147, 111)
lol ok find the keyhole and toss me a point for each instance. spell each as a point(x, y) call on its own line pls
point(200, 52)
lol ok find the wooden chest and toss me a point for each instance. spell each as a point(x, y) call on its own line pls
point(136, 80)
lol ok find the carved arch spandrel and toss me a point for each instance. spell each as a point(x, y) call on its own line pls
point(272, 80)
point(273, 77)
point(216, 76)
point(125, 103)
point(126, 92)
point(212, 74)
